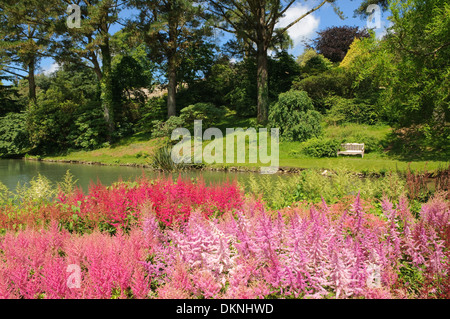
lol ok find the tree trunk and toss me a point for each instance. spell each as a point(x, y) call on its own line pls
point(106, 94)
point(172, 87)
point(31, 82)
point(262, 85)
point(172, 66)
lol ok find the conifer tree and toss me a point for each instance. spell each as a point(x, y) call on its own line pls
point(25, 35)
point(254, 23)
point(170, 28)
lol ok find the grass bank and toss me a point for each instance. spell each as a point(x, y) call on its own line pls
point(137, 150)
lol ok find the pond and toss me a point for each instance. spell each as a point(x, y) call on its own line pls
point(14, 171)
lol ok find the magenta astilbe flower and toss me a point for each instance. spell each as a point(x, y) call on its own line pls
point(436, 213)
point(388, 209)
point(140, 285)
point(54, 281)
point(358, 211)
point(438, 262)
point(403, 210)
point(296, 265)
point(6, 291)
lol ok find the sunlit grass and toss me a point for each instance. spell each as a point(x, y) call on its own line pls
point(139, 149)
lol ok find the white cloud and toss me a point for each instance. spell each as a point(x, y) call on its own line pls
point(304, 29)
point(51, 68)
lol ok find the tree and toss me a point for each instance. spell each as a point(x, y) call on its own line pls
point(294, 113)
point(8, 93)
point(25, 33)
point(334, 42)
point(362, 9)
point(171, 28)
point(410, 70)
point(419, 93)
point(254, 24)
point(90, 42)
point(68, 111)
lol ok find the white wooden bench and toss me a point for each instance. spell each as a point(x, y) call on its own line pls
point(352, 149)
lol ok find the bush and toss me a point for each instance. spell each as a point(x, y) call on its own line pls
point(371, 143)
point(320, 147)
point(341, 110)
point(90, 127)
point(374, 137)
point(154, 110)
point(319, 87)
point(13, 134)
point(207, 112)
point(294, 114)
point(164, 129)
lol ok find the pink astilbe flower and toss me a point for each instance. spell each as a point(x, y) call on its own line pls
point(140, 285)
point(248, 253)
point(206, 284)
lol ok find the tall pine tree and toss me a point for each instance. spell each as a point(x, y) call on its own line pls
point(253, 22)
point(170, 28)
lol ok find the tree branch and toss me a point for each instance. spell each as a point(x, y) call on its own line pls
point(302, 16)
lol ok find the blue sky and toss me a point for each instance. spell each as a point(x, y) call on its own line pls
point(306, 29)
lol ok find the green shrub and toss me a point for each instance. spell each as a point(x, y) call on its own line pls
point(13, 134)
point(164, 129)
point(374, 137)
point(90, 127)
point(294, 114)
point(320, 147)
point(162, 160)
point(207, 112)
point(342, 110)
point(154, 110)
point(321, 86)
point(313, 185)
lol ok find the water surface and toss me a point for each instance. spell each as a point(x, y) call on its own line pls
point(14, 171)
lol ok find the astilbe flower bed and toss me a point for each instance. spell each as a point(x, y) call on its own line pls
point(318, 252)
point(119, 205)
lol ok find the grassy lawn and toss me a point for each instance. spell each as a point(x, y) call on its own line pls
point(139, 148)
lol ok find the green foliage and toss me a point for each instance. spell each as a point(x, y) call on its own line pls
point(283, 70)
point(207, 112)
point(165, 128)
point(321, 147)
point(39, 190)
point(409, 69)
point(155, 109)
point(321, 86)
point(90, 127)
point(162, 160)
point(68, 112)
point(312, 63)
point(313, 185)
point(234, 84)
point(294, 114)
point(5, 194)
point(374, 138)
point(13, 134)
point(68, 184)
point(8, 97)
point(342, 110)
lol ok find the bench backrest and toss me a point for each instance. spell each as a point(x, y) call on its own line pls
point(353, 146)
